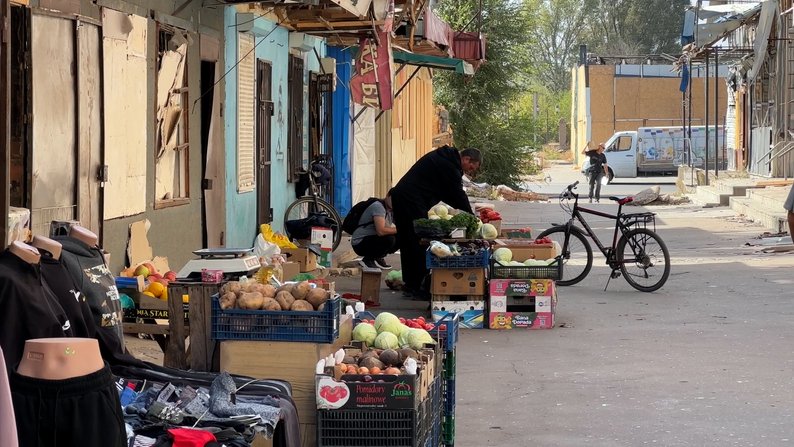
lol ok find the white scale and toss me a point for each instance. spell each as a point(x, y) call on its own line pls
point(234, 262)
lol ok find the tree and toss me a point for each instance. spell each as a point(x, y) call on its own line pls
point(482, 107)
point(644, 26)
point(561, 24)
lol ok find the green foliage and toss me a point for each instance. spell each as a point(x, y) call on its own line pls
point(632, 27)
point(481, 106)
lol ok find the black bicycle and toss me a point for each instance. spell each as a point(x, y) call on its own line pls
point(639, 254)
point(311, 210)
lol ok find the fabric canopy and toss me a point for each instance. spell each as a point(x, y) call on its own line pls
point(442, 63)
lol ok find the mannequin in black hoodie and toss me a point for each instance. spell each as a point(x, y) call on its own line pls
point(30, 310)
point(436, 177)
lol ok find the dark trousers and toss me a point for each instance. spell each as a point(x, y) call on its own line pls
point(376, 247)
point(595, 183)
point(412, 255)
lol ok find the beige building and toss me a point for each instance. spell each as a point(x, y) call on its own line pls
point(611, 98)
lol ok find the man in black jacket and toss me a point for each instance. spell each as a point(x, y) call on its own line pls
point(436, 177)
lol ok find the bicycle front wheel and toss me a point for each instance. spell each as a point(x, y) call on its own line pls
point(577, 255)
point(644, 259)
point(307, 206)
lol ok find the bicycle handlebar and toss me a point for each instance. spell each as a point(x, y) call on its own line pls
point(568, 192)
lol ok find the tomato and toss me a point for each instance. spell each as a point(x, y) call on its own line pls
point(421, 320)
point(443, 327)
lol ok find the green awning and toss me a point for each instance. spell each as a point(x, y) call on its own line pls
point(442, 63)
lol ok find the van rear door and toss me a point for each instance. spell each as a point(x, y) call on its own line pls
point(621, 154)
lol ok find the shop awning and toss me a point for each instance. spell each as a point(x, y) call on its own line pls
point(720, 21)
point(442, 63)
point(769, 15)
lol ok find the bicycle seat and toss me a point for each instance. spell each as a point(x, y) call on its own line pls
point(623, 200)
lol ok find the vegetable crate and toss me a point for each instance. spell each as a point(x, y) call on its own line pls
point(448, 431)
point(299, 326)
point(551, 271)
point(383, 427)
point(479, 260)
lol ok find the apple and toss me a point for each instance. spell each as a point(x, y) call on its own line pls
point(142, 271)
point(171, 276)
point(151, 268)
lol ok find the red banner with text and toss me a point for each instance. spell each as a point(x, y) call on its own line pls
point(371, 86)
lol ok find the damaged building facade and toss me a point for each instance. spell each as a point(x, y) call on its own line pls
point(194, 117)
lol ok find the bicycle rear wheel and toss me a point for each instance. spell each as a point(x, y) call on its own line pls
point(577, 255)
point(308, 206)
point(644, 259)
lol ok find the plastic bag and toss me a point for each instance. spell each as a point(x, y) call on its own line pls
point(264, 249)
point(440, 249)
point(271, 236)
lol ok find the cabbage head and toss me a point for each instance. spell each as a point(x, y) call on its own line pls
point(387, 340)
point(365, 332)
point(388, 322)
point(503, 255)
point(417, 338)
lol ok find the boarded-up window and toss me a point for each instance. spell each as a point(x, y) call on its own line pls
point(172, 157)
point(246, 180)
point(124, 43)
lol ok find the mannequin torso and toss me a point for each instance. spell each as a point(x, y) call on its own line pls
point(48, 244)
point(60, 358)
point(25, 252)
point(85, 235)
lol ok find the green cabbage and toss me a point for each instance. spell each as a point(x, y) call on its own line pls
point(503, 254)
point(388, 322)
point(418, 338)
point(387, 340)
point(365, 332)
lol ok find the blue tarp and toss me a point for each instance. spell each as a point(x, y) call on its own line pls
point(342, 141)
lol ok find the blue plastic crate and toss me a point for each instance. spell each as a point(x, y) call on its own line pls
point(458, 262)
point(262, 325)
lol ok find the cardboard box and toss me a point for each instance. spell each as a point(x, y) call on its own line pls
point(471, 314)
point(324, 259)
point(523, 250)
point(522, 303)
point(296, 364)
point(290, 270)
point(349, 391)
point(303, 256)
point(458, 281)
point(323, 238)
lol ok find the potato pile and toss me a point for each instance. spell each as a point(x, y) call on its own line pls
point(252, 295)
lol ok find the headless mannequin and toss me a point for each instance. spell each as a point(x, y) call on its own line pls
point(25, 252)
point(85, 235)
point(48, 244)
point(60, 358)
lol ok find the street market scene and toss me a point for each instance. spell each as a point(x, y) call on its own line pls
point(396, 223)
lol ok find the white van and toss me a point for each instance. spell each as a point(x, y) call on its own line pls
point(656, 150)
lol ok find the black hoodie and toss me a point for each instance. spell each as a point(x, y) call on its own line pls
point(29, 308)
point(70, 298)
point(91, 275)
point(436, 177)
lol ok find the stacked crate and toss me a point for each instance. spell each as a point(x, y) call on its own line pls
point(459, 285)
point(524, 296)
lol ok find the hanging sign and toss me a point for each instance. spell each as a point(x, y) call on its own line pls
point(372, 84)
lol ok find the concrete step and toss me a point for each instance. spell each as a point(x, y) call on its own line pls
point(771, 196)
point(734, 186)
point(710, 195)
point(771, 217)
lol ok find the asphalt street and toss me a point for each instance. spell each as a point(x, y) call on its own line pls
point(705, 361)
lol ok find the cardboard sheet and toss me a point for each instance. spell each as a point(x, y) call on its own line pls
point(138, 248)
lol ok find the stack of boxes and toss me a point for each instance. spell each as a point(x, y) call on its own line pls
point(459, 285)
point(523, 297)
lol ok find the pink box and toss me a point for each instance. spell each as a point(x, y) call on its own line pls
point(522, 304)
point(211, 276)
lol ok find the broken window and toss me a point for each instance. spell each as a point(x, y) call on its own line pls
point(172, 147)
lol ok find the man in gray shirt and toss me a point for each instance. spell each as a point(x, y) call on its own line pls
point(375, 236)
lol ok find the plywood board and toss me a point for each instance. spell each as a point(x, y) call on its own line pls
point(126, 118)
point(90, 124)
point(54, 146)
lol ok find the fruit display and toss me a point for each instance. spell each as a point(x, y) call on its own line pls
point(156, 283)
point(253, 295)
point(372, 363)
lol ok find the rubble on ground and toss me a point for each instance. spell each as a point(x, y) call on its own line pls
point(652, 196)
point(502, 193)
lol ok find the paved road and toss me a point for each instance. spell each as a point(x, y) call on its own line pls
point(706, 361)
point(561, 175)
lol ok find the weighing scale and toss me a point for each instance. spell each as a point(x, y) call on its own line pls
point(234, 262)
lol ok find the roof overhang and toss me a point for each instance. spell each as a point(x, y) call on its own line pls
point(441, 63)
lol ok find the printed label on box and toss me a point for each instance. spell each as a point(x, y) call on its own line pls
point(514, 320)
point(471, 314)
point(498, 304)
point(522, 287)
